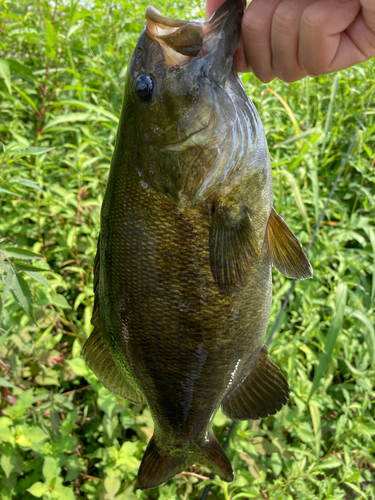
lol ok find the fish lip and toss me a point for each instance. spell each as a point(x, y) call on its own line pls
point(179, 39)
point(156, 17)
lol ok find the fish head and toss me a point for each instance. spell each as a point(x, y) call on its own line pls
point(179, 111)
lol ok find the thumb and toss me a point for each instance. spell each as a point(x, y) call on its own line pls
point(368, 13)
point(212, 6)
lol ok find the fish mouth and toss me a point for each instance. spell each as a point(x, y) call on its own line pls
point(182, 40)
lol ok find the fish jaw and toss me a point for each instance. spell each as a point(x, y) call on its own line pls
point(212, 42)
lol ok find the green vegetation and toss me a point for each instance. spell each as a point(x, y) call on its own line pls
point(62, 435)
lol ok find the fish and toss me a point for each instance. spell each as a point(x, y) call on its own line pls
point(188, 238)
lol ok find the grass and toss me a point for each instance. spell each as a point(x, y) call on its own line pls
point(62, 435)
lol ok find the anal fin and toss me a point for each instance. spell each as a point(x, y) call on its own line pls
point(262, 393)
point(99, 360)
point(286, 250)
point(97, 356)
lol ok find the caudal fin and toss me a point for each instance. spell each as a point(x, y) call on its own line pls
point(157, 466)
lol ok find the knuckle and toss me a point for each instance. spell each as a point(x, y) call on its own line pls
point(253, 26)
point(313, 19)
point(284, 17)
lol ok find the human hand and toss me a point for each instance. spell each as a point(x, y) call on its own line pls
point(290, 39)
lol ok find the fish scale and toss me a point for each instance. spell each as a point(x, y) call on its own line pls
point(183, 287)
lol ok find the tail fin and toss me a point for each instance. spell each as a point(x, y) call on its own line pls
point(157, 466)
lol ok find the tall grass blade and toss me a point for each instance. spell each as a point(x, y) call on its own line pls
point(307, 119)
point(298, 197)
point(333, 331)
point(317, 427)
point(5, 74)
point(327, 127)
point(315, 184)
point(371, 234)
point(369, 325)
point(288, 109)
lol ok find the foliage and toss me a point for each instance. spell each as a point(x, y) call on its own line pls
point(62, 435)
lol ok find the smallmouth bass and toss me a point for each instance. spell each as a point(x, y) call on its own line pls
point(188, 238)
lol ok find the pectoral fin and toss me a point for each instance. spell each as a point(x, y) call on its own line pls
point(97, 356)
point(262, 393)
point(232, 246)
point(286, 250)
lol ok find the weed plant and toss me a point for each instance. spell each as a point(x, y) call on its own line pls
point(62, 434)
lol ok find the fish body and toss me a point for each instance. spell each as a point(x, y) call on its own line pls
point(188, 238)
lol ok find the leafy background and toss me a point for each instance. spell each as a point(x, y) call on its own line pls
point(62, 435)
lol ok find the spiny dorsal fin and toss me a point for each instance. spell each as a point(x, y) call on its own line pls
point(286, 250)
point(97, 356)
point(262, 393)
point(232, 247)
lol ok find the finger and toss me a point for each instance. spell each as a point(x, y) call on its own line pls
point(324, 46)
point(285, 39)
point(256, 35)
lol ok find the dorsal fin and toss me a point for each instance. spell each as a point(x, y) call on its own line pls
point(262, 393)
point(286, 250)
point(97, 356)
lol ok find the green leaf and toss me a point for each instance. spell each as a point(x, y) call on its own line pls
point(23, 295)
point(79, 366)
point(24, 402)
point(51, 39)
point(38, 277)
point(38, 489)
point(27, 267)
point(31, 151)
point(59, 300)
point(68, 118)
point(8, 463)
point(61, 492)
point(22, 253)
point(6, 191)
point(5, 383)
point(51, 469)
point(8, 283)
point(330, 463)
point(26, 182)
point(112, 483)
point(26, 98)
point(333, 331)
point(5, 74)
point(106, 401)
point(276, 463)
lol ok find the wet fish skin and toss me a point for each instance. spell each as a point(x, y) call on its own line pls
point(188, 238)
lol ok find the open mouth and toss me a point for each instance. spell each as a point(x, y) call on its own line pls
point(180, 40)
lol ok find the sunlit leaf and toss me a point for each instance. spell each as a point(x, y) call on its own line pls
point(23, 294)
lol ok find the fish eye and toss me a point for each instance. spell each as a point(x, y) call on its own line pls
point(144, 86)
